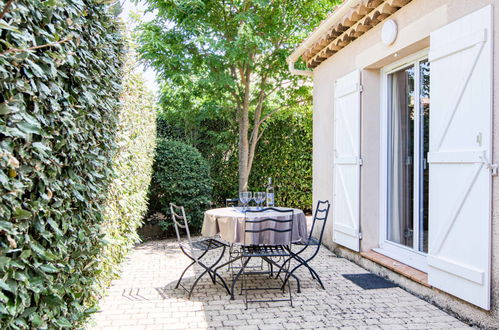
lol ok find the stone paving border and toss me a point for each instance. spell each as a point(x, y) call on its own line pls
point(144, 298)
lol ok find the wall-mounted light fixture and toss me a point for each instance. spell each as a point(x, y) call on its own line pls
point(389, 32)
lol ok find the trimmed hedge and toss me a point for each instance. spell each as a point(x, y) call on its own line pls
point(180, 176)
point(285, 155)
point(126, 203)
point(59, 132)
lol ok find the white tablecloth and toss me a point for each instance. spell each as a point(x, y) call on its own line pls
point(229, 222)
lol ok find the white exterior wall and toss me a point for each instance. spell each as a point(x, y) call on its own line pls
point(415, 23)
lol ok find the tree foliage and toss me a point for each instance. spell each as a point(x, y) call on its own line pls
point(285, 153)
point(60, 128)
point(229, 57)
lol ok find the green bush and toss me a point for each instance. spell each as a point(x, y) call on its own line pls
point(61, 192)
point(180, 176)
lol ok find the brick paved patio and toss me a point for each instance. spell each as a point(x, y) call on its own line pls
point(145, 298)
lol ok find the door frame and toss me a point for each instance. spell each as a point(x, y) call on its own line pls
point(404, 254)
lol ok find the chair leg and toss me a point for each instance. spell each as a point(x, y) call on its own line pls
point(319, 280)
point(312, 271)
point(316, 277)
point(236, 277)
point(294, 276)
point(286, 278)
point(283, 265)
point(185, 270)
point(303, 261)
point(214, 264)
point(227, 263)
point(289, 287)
point(196, 282)
point(215, 274)
point(209, 271)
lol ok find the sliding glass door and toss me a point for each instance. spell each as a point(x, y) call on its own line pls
point(408, 106)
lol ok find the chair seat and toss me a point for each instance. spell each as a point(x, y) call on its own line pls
point(311, 241)
point(206, 244)
point(264, 251)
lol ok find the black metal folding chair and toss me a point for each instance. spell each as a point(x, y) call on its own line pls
point(192, 248)
point(268, 229)
point(320, 216)
point(231, 202)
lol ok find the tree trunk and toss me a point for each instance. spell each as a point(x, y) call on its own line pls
point(243, 159)
point(243, 131)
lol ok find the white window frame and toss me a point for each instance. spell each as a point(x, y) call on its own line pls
point(404, 254)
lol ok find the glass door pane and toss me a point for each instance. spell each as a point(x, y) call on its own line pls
point(424, 136)
point(401, 157)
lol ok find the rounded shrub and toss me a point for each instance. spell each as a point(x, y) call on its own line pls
point(181, 176)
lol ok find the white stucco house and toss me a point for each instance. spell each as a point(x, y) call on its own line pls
point(406, 136)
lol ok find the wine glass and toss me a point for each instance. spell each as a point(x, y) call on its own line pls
point(245, 198)
point(259, 197)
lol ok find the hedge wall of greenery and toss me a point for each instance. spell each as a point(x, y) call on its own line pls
point(60, 83)
point(285, 155)
point(126, 203)
point(181, 176)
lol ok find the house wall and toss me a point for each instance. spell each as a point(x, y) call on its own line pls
point(415, 23)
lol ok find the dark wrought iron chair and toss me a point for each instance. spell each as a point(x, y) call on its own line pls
point(231, 202)
point(196, 250)
point(256, 230)
point(320, 216)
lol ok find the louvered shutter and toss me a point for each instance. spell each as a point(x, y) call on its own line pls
point(347, 161)
point(460, 152)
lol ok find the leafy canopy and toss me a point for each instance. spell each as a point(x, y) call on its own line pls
point(198, 47)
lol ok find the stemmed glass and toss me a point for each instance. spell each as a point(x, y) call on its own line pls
point(245, 198)
point(259, 197)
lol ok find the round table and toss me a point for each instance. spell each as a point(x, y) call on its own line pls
point(229, 222)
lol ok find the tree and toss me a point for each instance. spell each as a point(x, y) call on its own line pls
point(229, 56)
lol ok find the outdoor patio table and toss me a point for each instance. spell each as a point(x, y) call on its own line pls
point(229, 223)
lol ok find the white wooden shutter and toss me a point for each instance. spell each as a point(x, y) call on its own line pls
point(347, 161)
point(460, 151)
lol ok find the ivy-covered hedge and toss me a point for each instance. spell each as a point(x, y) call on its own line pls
point(126, 203)
point(60, 83)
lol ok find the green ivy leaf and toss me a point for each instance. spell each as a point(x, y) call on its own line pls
point(63, 323)
point(8, 285)
point(22, 214)
point(41, 251)
point(48, 268)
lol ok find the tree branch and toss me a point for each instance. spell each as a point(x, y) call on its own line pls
point(279, 109)
point(6, 8)
point(258, 111)
point(20, 50)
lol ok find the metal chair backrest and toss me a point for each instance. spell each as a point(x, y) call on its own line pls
point(180, 222)
point(231, 202)
point(320, 215)
point(282, 224)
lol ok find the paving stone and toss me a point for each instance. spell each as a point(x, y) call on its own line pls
point(145, 298)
